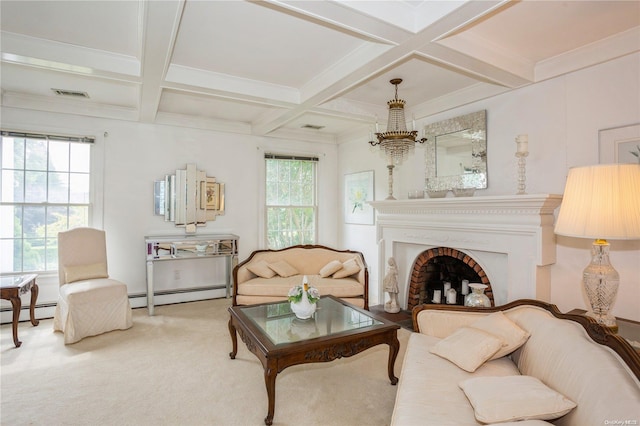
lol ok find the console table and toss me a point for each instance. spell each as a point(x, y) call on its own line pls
point(171, 248)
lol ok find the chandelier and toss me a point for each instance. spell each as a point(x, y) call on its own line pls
point(397, 143)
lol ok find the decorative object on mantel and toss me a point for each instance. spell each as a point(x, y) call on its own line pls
point(463, 192)
point(303, 299)
point(391, 287)
point(397, 142)
point(522, 151)
point(189, 198)
point(601, 202)
point(477, 298)
point(456, 153)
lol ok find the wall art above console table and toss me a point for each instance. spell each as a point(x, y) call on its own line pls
point(189, 198)
point(207, 247)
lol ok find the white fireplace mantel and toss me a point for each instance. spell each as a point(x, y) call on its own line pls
point(510, 236)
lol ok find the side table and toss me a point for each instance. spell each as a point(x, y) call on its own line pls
point(627, 329)
point(12, 287)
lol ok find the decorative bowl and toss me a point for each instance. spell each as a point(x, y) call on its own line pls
point(201, 247)
point(438, 194)
point(463, 192)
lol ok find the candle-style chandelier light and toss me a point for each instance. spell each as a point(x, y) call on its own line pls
point(397, 143)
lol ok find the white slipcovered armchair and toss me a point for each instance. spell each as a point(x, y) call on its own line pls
point(90, 303)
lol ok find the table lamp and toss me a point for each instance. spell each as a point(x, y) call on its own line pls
point(601, 202)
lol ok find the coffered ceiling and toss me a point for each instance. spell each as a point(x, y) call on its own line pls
point(311, 70)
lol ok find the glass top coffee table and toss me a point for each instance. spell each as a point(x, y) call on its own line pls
point(279, 339)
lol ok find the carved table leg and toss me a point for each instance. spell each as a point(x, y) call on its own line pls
point(270, 373)
point(234, 339)
point(394, 348)
point(34, 297)
point(16, 304)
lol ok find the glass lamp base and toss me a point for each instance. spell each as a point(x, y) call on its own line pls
point(601, 285)
point(605, 320)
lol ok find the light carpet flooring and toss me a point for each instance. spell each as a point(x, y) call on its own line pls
point(174, 369)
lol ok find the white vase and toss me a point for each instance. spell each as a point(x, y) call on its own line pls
point(303, 309)
point(477, 298)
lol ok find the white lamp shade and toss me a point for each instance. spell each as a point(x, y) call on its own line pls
point(601, 202)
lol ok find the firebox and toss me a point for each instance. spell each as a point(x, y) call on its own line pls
point(437, 266)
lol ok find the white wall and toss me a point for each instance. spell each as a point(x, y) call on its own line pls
point(135, 155)
point(562, 117)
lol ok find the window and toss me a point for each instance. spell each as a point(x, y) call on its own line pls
point(45, 189)
point(291, 205)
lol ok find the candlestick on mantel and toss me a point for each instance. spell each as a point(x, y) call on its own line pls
point(522, 151)
point(522, 142)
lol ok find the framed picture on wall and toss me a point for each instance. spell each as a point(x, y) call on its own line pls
point(620, 145)
point(358, 190)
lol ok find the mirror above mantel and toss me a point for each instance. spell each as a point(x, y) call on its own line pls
point(456, 153)
point(189, 198)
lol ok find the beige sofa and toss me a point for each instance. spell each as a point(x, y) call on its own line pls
point(268, 275)
point(597, 371)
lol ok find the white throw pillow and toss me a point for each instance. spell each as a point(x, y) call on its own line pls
point(283, 268)
point(261, 268)
point(468, 347)
point(513, 398)
point(500, 325)
point(330, 268)
point(85, 272)
point(349, 268)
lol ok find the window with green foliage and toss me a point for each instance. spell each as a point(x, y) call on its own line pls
point(291, 205)
point(45, 189)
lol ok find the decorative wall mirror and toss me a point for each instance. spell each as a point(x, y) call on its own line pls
point(456, 153)
point(189, 198)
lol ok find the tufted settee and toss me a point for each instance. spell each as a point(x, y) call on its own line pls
point(268, 275)
point(564, 370)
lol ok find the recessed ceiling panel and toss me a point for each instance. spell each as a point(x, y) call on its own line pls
point(538, 30)
point(255, 42)
point(422, 82)
point(104, 25)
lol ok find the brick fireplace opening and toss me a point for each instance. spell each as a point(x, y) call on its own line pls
point(439, 264)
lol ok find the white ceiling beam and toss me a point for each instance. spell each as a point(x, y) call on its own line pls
point(621, 44)
point(162, 20)
point(47, 54)
point(229, 86)
point(337, 16)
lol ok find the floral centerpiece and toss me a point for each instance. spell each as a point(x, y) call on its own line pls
point(303, 299)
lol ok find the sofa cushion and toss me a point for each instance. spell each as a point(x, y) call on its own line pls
point(261, 269)
point(330, 268)
point(499, 325)
point(428, 392)
point(468, 347)
point(513, 398)
point(349, 268)
point(342, 288)
point(283, 268)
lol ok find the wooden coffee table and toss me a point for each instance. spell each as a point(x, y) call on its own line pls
point(279, 340)
point(11, 288)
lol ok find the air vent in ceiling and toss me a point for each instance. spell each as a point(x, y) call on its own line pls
point(72, 93)
point(312, 126)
